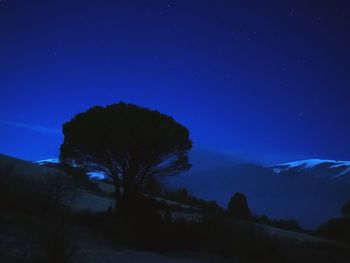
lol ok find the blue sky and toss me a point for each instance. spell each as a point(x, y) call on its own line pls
point(264, 81)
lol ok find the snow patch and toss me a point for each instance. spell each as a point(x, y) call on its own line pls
point(92, 175)
point(47, 161)
point(312, 163)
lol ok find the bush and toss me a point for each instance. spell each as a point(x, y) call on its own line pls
point(19, 193)
point(184, 197)
point(337, 228)
point(238, 207)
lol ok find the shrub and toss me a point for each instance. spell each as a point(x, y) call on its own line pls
point(238, 207)
point(337, 228)
point(19, 193)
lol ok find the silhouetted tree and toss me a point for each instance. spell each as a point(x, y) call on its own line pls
point(337, 228)
point(238, 207)
point(58, 189)
point(152, 187)
point(346, 210)
point(128, 143)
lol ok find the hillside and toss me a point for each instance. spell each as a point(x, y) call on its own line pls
point(27, 168)
point(84, 199)
point(94, 228)
point(317, 188)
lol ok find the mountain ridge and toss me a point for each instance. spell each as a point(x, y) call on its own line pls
point(320, 168)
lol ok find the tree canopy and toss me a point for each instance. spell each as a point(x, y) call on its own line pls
point(238, 207)
point(128, 143)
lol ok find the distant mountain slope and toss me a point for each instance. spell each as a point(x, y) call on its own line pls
point(293, 193)
point(48, 161)
point(53, 162)
point(311, 191)
point(318, 168)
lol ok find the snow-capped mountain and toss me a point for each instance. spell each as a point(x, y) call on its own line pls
point(48, 161)
point(55, 161)
point(328, 169)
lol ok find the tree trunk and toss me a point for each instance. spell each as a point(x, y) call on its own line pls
point(129, 186)
point(117, 193)
point(130, 192)
point(128, 198)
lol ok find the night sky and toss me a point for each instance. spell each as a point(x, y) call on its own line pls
point(267, 81)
